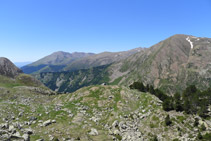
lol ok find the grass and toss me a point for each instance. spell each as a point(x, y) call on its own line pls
point(116, 81)
point(137, 102)
point(181, 118)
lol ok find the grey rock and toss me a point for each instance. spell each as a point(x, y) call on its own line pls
point(93, 132)
point(47, 122)
point(26, 137)
point(28, 131)
point(115, 124)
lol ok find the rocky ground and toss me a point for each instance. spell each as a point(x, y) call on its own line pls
point(92, 113)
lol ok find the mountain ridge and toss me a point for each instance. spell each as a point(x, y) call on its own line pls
point(172, 65)
point(170, 59)
point(64, 61)
point(53, 62)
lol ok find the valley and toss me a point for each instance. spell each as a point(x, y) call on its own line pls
point(136, 95)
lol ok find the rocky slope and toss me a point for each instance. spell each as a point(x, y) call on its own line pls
point(54, 62)
point(12, 78)
point(18, 92)
point(94, 113)
point(7, 68)
point(172, 64)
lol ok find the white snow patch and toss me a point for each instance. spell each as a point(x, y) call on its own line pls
point(191, 43)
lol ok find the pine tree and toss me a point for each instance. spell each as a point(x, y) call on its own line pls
point(196, 122)
point(138, 85)
point(167, 104)
point(168, 120)
point(151, 89)
point(177, 102)
point(155, 138)
point(203, 128)
point(199, 136)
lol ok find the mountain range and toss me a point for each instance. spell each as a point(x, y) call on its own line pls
point(171, 65)
point(30, 111)
point(64, 61)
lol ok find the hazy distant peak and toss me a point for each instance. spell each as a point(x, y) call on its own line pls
point(60, 52)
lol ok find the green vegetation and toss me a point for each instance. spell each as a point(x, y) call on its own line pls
point(168, 120)
point(20, 80)
point(71, 81)
point(192, 100)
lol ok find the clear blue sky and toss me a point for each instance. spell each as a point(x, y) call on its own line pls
point(31, 29)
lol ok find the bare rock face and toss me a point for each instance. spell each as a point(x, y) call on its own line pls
point(7, 68)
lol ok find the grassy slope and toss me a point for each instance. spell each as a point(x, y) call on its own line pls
point(74, 113)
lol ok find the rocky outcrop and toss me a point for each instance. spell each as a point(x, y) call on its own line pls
point(7, 68)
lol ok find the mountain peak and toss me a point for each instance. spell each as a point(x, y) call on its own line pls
point(183, 36)
point(60, 53)
point(7, 68)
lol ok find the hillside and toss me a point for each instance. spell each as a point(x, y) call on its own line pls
point(96, 113)
point(54, 62)
point(12, 78)
point(71, 81)
point(171, 65)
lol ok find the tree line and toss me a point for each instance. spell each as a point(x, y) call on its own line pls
point(191, 100)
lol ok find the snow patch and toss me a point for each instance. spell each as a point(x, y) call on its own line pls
point(191, 43)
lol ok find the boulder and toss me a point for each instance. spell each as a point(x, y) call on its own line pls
point(93, 132)
point(26, 137)
point(47, 122)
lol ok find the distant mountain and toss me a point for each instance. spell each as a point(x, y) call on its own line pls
point(63, 61)
point(87, 71)
point(100, 59)
point(54, 62)
point(170, 65)
point(7, 68)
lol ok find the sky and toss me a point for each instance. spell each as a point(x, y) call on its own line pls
point(32, 29)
